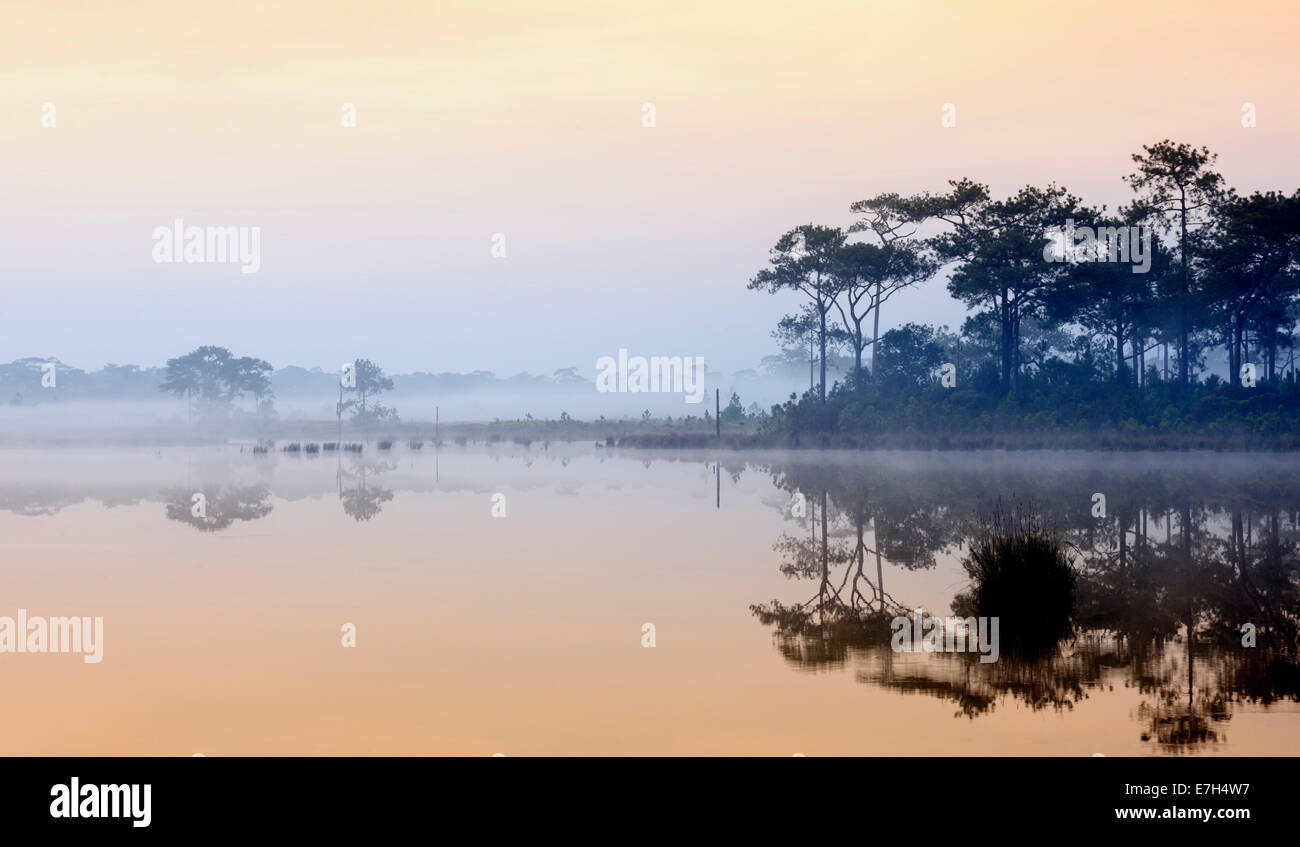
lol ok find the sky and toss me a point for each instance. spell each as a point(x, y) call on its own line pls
point(525, 120)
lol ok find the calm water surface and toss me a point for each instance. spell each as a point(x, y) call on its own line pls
point(522, 634)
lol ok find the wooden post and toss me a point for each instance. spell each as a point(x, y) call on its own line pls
point(717, 412)
point(435, 426)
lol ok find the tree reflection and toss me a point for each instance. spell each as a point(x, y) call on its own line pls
point(222, 506)
point(1168, 575)
point(362, 500)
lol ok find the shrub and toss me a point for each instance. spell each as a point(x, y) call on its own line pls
point(1022, 574)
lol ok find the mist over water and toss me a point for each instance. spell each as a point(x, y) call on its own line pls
point(38, 417)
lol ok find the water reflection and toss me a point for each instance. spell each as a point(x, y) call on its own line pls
point(1184, 552)
point(1167, 578)
point(362, 499)
point(222, 506)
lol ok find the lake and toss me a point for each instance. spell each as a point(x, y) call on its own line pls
point(499, 597)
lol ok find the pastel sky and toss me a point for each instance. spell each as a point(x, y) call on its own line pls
point(524, 118)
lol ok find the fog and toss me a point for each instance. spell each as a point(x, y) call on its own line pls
point(163, 419)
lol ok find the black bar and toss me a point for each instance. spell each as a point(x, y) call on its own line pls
point(330, 795)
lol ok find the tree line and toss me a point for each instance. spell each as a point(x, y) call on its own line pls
point(1222, 273)
point(213, 379)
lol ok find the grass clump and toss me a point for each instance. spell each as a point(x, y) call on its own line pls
point(1021, 572)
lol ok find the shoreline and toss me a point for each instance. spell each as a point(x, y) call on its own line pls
point(637, 436)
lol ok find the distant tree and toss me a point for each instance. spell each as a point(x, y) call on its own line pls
point(734, 411)
point(800, 332)
point(370, 381)
point(1105, 298)
point(1174, 182)
point(803, 331)
point(999, 247)
point(1254, 260)
point(183, 377)
point(214, 373)
point(890, 219)
point(910, 355)
point(247, 375)
point(568, 376)
point(216, 376)
point(1273, 326)
point(869, 274)
point(803, 261)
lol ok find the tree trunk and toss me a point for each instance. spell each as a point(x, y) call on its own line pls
point(1120, 375)
point(1184, 288)
point(821, 389)
point(1234, 375)
point(857, 355)
point(875, 329)
point(1015, 352)
point(1006, 342)
point(1232, 354)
